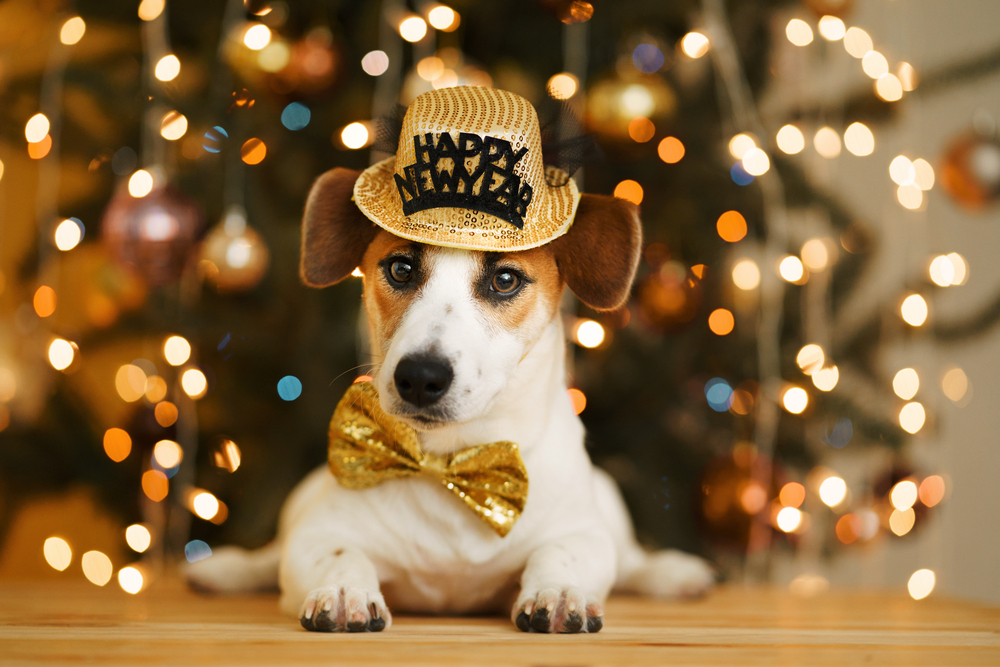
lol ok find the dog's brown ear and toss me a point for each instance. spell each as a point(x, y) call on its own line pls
point(599, 254)
point(335, 233)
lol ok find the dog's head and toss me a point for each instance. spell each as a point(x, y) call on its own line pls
point(452, 325)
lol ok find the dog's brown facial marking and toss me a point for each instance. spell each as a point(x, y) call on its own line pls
point(388, 292)
point(513, 288)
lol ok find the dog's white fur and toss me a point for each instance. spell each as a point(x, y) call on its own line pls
point(339, 550)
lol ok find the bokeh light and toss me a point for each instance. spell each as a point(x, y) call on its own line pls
point(155, 485)
point(740, 144)
point(194, 383)
point(227, 455)
point(746, 275)
point(791, 269)
point(168, 454)
point(756, 162)
point(832, 28)
point(641, 129)
point(909, 196)
point(117, 444)
point(694, 44)
point(647, 58)
point(37, 128)
point(903, 495)
point(907, 76)
point(792, 494)
point(942, 271)
point(798, 32)
point(432, 67)
point(810, 358)
point(97, 567)
point(61, 354)
point(165, 413)
point(289, 388)
point(740, 175)
point(859, 140)
point(753, 498)
point(589, 333)
point(156, 389)
point(375, 63)
point(167, 68)
point(848, 528)
point(40, 149)
point(874, 64)
point(577, 399)
point(923, 174)
point(832, 491)
point(931, 490)
point(719, 394)
point(630, 191)
point(732, 226)
point(955, 384)
point(176, 350)
point(150, 9)
point(413, 29)
point(130, 382)
point(815, 254)
point(68, 234)
point(827, 142)
point(257, 37)
point(354, 135)
point(274, 57)
point(902, 171)
point(790, 140)
point(44, 301)
point(857, 42)
point(921, 584)
point(789, 519)
point(205, 505)
point(826, 379)
point(721, 322)
point(173, 126)
point(137, 537)
point(443, 18)
point(906, 383)
point(140, 184)
point(914, 310)
point(889, 88)
point(901, 521)
point(911, 417)
point(196, 550)
point(795, 400)
point(58, 553)
point(72, 31)
point(130, 580)
point(295, 116)
point(253, 151)
point(670, 150)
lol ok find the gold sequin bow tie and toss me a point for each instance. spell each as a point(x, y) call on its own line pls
point(368, 447)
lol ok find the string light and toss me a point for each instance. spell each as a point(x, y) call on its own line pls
point(857, 42)
point(205, 505)
point(795, 400)
point(589, 334)
point(859, 139)
point(228, 454)
point(413, 29)
point(721, 322)
point(791, 269)
point(907, 76)
point(911, 417)
point(432, 67)
point(57, 553)
point(792, 494)
point(167, 68)
point(901, 522)
point(130, 382)
point(253, 151)
point(827, 142)
point(921, 584)
point(61, 354)
point(354, 135)
point(117, 444)
point(137, 537)
point(257, 37)
point(641, 129)
point(832, 28)
point(150, 9)
point(903, 495)
point(906, 383)
point(165, 413)
point(740, 144)
point(825, 379)
point(130, 580)
point(194, 383)
point(176, 350)
point(815, 254)
point(931, 490)
point(902, 171)
point(923, 174)
point(731, 226)
point(756, 162)
point(955, 384)
point(37, 128)
point(168, 454)
point(889, 88)
point(798, 32)
point(914, 310)
point(790, 140)
point(694, 45)
point(173, 126)
point(832, 491)
point(810, 358)
point(443, 18)
point(140, 184)
point(961, 268)
point(746, 275)
point(72, 31)
point(155, 485)
point(38, 150)
point(874, 64)
point(375, 63)
point(68, 234)
point(942, 271)
point(789, 519)
point(44, 301)
point(670, 150)
point(97, 567)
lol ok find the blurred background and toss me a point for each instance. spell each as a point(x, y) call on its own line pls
point(801, 388)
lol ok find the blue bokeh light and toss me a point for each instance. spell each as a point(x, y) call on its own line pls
point(196, 550)
point(289, 388)
point(842, 433)
point(740, 175)
point(719, 394)
point(295, 116)
point(213, 139)
point(647, 58)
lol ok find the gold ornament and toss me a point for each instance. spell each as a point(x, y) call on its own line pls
point(234, 256)
point(368, 447)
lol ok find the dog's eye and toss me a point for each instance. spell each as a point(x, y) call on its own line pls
point(505, 282)
point(400, 271)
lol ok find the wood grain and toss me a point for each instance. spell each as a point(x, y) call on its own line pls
point(51, 623)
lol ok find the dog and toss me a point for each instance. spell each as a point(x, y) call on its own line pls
point(470, 349)
point(480, 341)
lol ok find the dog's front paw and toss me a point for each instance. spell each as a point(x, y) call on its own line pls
point(344, 609)
point(557, 610)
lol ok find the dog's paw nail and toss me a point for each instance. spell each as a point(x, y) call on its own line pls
point(523, 623)
point(573, 623)
point(595, 623)
point(540, 620)
point(377, 625)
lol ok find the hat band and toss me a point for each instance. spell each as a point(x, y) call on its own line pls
point(476, 174)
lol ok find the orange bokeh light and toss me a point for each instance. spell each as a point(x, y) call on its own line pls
point(932, 490)
point(671, 150)
point(40, 149)
point(253, 151)
point(721, 322)
point(848, 528)
point(629, 190)
point(578, 399)
point(155, 485)
point(792, 494)
point(732, 226)
point(44, 301)
point(117, 444)
point(641, 129)
point(165, 413)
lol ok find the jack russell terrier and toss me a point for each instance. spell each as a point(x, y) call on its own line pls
point(473, 242)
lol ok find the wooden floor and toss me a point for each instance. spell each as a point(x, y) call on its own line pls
point(168, 625)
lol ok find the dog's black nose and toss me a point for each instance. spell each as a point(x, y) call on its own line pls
point(422, 380)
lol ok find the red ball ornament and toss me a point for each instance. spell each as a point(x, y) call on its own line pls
point(838, 8)
point(970, 172)
point(153, 235)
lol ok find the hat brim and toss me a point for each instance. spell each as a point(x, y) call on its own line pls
point(550, 215)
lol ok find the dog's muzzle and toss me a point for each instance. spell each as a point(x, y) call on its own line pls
point(422, 381)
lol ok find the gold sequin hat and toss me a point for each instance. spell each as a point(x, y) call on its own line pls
point(468, 173)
